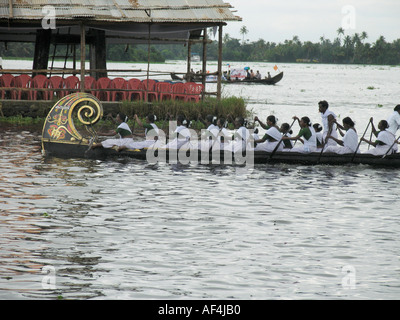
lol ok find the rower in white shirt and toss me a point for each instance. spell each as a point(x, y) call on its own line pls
point(241, 137)
point(384, 143)
point(271, 138)
point(349, 144)
point(181, 135)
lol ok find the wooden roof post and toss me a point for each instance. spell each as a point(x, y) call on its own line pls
point(204, 71)
point(189, 58)
point(83, 54)
point(219, 79)
point(42, 51)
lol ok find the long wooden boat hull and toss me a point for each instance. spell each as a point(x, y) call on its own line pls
point(64, 150)
point(60, 138)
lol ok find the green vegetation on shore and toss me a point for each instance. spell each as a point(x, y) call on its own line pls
point(233, 107)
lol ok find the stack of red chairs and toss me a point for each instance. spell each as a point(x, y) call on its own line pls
point(6, 82)
point(21, 82)
point(178, 91)
point(55, 82)
point(149, 87)
point(71, 84)
point(105, 89)
point(193, 91)
point(164, 90)
point(90, 85)
point(118, 83)
point(135, 89)
point(103, 83)
point(39, 82)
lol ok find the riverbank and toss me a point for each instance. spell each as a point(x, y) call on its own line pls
point(28, 113)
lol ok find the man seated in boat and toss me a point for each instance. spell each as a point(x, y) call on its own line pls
point(349, 144)
point(386, 141)
point(258, 75)
point(271, 137)
point(306, 135)
point(328, 123)
point(151, 132)
point(123, 131)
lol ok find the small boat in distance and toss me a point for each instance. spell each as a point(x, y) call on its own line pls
point(240, 80)
point(195, 57)
point(266, 80)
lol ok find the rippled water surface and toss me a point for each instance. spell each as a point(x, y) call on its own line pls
point(123, 229)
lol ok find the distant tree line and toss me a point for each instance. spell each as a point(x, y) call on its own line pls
point(343, 49)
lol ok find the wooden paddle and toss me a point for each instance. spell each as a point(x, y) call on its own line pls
point(355, 152)
point(280, 141)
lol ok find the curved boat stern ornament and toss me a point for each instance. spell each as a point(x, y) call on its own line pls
point(59, 126)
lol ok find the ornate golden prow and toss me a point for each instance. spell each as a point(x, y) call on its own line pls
point(59, 126)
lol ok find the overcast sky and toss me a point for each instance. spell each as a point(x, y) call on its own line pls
point(310, 19)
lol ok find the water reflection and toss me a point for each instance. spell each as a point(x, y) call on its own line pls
point(126, 229)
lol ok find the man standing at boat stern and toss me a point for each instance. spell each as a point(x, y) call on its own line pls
point(394, 120)
point(328, 124)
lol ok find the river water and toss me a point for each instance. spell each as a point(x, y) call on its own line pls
point(124, 229)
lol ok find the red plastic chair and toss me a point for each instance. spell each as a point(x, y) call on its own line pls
point(72, 84)
point(118, 83)
point(55, 82)
point(149, 87)
point(6, 81)
point(178, 91)
point(90, 84)
point(193, 91)
point(135, 88)
point(21, 82)
point(164, 90)
point(39, 82)
point(103, 83)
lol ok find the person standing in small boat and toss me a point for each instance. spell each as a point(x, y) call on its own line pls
point(385, 140)
point(307, 133)
point(349, 144)
point(123, 130)
point(394, 120)
point(328, 123)
point(271, 137)
point(150, 138)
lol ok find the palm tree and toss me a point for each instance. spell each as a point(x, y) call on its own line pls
point(296, 40)
point(363, 36)
point(226, 38)
point(243, 31)
point(356, 39)
point(340, 32)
